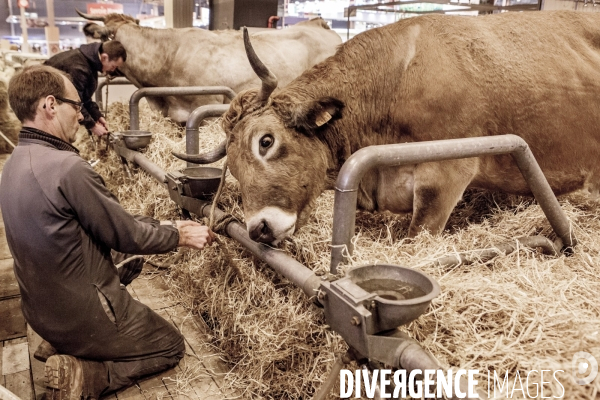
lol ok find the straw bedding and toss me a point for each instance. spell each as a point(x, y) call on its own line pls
point(522, 311)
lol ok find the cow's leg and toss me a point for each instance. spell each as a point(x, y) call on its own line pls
point(438, 187)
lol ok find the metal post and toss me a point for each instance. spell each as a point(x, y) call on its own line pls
point(370, 157)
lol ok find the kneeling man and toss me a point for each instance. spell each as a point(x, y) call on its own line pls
point(62, 224)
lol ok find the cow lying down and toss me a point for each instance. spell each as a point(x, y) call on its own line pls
point(534, 74)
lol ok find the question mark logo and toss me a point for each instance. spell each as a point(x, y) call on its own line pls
point(580, 367)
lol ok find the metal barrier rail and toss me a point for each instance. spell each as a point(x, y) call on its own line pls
point(370, 157)
point(134, 110)
point(105, 82)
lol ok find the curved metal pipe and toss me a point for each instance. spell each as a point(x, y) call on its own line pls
point(134, 110)
point(279, 261)
point(370, 157)
point(398, 349)
point(114, 81)
point(135, 156)
point(484, 255)
point(192, 134)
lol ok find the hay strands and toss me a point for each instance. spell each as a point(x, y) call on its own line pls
point(344, 305)
point(517, 312)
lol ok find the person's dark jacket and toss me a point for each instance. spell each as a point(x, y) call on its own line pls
point(61, 223)
point(83, 65)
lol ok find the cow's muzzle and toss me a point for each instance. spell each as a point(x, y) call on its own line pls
point(262, 233)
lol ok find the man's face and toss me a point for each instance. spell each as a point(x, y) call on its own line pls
point(110, 65)
point(68, 114)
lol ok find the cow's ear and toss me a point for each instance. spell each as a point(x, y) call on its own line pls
point(308, 117)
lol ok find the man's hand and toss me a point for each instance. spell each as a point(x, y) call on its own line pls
point(99, 129)
point(194, 235)
point(102, 121)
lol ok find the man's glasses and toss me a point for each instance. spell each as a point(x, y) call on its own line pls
point(78, 104)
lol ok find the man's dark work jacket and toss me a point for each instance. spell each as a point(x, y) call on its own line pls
point(83, 64)
point(61, 224)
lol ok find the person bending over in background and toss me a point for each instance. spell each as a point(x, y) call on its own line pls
point(83, 65)
point(61, 225)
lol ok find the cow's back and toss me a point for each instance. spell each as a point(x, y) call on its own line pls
point(196, 57)
point(536, 75)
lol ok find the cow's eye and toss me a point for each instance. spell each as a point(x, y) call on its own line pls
point(266, 141)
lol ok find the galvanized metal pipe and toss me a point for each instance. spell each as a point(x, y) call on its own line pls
point(484, 255)
point(141, 160)
point(370, 157)
point(282, 263)
point(134, 110)
point(114, 81)
point(397, 349)
point(192, 128)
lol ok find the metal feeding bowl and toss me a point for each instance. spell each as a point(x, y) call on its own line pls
point(201, 182)
point(135, 140)
point(401, 294)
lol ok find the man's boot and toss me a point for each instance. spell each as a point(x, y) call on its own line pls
point(71, 378)
point(44, 351)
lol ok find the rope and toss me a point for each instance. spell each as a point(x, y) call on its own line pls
point(108, 78)
point(219, 226)
point(340, 362)
point(7, 139)
point(169, 262)
point(211, 219)
point(125, 261)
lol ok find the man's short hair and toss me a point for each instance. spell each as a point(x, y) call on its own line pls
point(114, 49)
point(33, 83)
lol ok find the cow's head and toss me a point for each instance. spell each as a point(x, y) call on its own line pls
point(277, 151)
point(112, 22)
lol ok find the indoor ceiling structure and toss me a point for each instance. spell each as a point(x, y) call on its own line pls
point(485, 6)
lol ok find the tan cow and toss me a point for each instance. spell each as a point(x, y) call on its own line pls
point(534, 74)
point(197, 57)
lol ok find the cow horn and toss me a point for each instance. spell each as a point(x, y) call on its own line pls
point(90, 17)
point(269, 81)
point(207, 158)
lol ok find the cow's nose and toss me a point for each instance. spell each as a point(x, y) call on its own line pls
point(262, 232)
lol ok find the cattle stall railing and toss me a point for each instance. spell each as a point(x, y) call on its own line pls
point(192, 127)
point(365, 159)
point(392, 347)
point(107, 82)
point(134, 109)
